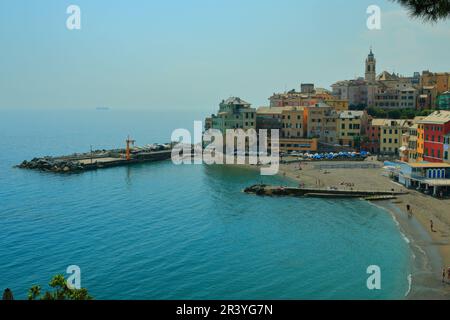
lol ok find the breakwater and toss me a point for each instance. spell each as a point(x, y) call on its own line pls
point(78, 163)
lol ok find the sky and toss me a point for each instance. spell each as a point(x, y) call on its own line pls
point(191, 54)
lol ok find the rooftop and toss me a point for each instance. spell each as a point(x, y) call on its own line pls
point(268, 110)
point(351, 114)
point(277, 110)
point(437, 117)
point(236, 101)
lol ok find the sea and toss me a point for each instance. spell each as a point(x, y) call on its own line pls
point(162, 231)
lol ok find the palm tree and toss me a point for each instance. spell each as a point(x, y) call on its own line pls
point(427, 10)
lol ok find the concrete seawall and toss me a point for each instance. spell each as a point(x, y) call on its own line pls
point(264, 190)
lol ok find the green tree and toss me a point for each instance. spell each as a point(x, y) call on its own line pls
point(394, 114)
point(427, 10)
point(357, 142)
point(60, 291)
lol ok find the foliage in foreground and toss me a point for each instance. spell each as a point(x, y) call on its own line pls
point(427, 10)
point(60, 291)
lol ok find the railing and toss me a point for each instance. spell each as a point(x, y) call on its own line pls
point(348, 166)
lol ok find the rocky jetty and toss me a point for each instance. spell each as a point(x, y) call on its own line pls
point(52, 165)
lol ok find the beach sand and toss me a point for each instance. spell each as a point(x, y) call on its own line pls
point(431, 250)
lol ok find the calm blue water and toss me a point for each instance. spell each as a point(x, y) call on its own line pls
point(159, 231)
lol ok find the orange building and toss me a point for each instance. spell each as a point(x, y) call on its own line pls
point(420, 142)
point(441, 81)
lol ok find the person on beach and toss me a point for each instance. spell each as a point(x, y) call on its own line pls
point(443, 275)
point(448, 274)
point(409, 209)
point(432, 226)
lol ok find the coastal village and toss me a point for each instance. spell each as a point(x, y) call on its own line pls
point(397, 118)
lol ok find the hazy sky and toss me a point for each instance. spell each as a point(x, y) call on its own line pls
point(190, 54)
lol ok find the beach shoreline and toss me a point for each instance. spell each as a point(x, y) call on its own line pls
point(430, 250)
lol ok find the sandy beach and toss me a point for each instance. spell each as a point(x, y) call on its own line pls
point(431, 250)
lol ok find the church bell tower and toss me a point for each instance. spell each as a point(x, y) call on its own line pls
point(371, 65)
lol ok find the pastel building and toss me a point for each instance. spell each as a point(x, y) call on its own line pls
point(292, 125)
point(430, 178)
point(443, 101)
point(436, 127)
point(439, 80)
point(308, 96)
point(350, 127)
point(447, 148)
point(234, 113)
point(321, 121)
point(391, 136)
point(420, 141)
point(412, 143)
point(396, 98)
point(387, 90)
point(371, 141)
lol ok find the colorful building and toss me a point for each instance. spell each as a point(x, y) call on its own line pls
point(436, 127)
point(290, 120)
point(321, 122)
point(292, 125)
point(308, 96)
point(427, 98)
point(351, 127)
point(396, 98)
point(447, 148)
point(443, 101)
point(391, 136)
point(430, 178)
point(420, 141)
point(371, 141)
point(439, 80)
point(234, 113)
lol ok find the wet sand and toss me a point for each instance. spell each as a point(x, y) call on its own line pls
point(431, 250)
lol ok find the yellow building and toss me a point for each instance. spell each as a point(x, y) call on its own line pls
point(351, 126)
point(321, 122)
point(298, 145)
point(412, 143)
point(391, 136)
point(292, 125)
point(294, 122)
point(338, 105)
